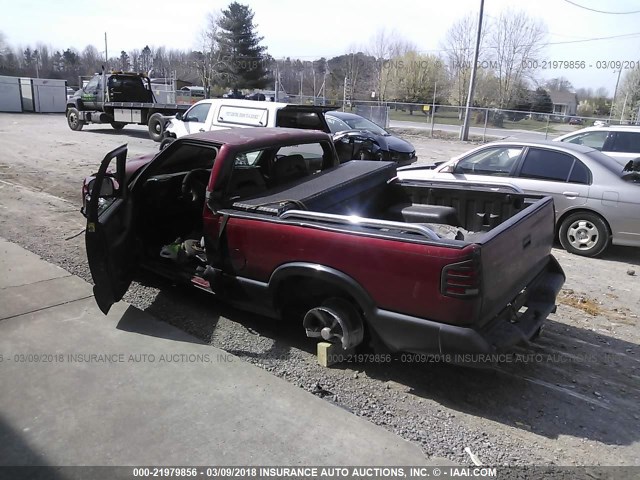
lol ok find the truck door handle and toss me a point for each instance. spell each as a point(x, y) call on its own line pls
point(526, 241)
point(201, 130)
point(571, 194)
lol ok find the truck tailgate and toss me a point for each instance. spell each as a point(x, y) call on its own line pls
point(513, 254)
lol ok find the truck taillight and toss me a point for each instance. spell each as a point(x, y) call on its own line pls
point(461, 279)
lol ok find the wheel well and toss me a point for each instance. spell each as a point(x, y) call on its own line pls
point(298, 293)
point(579, 210)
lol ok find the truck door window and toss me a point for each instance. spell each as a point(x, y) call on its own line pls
point(197, 113)
point(496, 161)
point(94, 85)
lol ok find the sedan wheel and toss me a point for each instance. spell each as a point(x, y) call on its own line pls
point(584, 234)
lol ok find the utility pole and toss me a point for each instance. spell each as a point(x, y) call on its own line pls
point(624, 106)
point(344, 93)
point(615, 93)
point(277, 86)
point(106, 56)
point(464, 132)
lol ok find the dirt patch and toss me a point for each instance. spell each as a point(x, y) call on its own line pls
point(570, 298)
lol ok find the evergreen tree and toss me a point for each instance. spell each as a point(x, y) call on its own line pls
point(243, 58)
point(541, 101)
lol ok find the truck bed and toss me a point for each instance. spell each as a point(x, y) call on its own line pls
point(495, 274)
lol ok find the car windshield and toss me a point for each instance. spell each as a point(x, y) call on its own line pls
point(361, 123)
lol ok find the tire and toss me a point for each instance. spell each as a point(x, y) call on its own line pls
point(166, 142)
point(73, 119)
point(156, 127)
point(585, 234)
point(118, 125)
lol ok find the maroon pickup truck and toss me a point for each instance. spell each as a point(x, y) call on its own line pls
point(270, 221)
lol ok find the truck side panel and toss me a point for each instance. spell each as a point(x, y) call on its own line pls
point(399, 276)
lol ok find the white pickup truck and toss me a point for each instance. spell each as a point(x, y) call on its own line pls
point(223, 113)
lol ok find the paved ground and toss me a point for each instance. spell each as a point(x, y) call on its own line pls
point(79, 388)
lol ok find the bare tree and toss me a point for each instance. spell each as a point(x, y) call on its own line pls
point(384, 47)
point(208, 60)
point(626, 105)
point(354, 65)
point(459, 46)
point(559, 84)
point(515, 42)
point(91, 60)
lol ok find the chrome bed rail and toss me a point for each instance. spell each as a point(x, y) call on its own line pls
point(354, 220)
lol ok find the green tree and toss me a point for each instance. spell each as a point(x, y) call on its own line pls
point(244, 59)
point(123, 61)
point(541, 101)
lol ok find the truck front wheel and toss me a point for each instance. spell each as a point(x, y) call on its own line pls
point(156, 126)
point(73, 119)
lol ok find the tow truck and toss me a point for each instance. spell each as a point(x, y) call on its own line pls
point(120, 98)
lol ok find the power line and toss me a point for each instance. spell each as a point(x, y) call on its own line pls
point(593, 39)
point(601, 11)
point(584, 40)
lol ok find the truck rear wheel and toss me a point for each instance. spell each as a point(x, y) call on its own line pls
point(117, 125)
point(336, 320)
point(73, 119)
point(156, 126)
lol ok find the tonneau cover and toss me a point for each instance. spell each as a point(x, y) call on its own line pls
point(325, 191)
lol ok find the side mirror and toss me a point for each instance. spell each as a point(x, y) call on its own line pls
point(107, 189)
point(341, 137)
point(449, 168)
point(179, 116)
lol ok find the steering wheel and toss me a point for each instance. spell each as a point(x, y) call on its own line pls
point(195, 183)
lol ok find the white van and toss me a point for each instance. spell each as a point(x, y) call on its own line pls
point(222, 113)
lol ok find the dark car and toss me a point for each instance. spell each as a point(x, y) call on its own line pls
point(367, 140)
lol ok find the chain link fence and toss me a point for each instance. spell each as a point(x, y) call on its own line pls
point(484, 122)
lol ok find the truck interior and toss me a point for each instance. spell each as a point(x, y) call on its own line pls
point(277, 183)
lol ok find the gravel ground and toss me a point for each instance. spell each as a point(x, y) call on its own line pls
point(571, 401)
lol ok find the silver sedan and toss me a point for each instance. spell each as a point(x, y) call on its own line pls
point(597, 200)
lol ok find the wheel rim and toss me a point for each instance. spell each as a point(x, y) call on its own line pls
point(583, 235)
point(336, 321)
point(73, 119)
point(322, 323)
point(156, 127)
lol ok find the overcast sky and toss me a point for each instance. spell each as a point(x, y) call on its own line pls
point(307, 30)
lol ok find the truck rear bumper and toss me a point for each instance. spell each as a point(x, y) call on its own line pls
point(417, 335)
